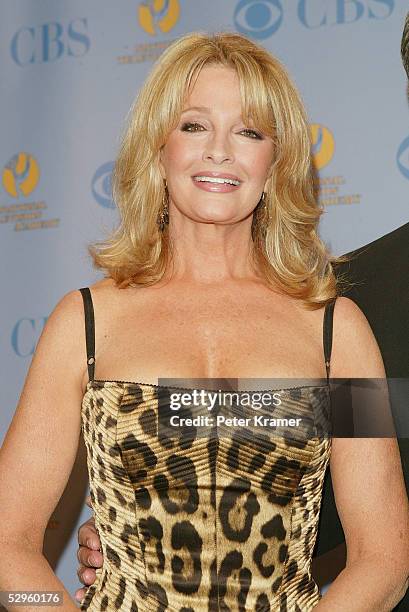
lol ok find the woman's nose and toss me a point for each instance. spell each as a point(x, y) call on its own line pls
point(218, 149)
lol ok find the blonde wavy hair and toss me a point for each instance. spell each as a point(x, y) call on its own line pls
point(287, 250)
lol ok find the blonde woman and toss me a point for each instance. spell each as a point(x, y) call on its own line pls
point(216, 271)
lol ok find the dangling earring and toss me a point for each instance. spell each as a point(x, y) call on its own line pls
point(163, 217)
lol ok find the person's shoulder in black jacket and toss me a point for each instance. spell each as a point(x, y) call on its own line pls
point(380, 273)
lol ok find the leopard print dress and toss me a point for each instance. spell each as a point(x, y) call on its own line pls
point(203, 520)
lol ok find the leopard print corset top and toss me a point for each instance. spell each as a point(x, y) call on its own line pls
point(194, 519)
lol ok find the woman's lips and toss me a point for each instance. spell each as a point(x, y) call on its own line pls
point(216, 187)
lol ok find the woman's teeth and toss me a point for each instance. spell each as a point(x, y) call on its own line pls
point(213, 179)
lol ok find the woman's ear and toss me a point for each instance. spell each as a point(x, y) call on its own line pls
point(160, 164)
point(270, 171)
point(268, 179)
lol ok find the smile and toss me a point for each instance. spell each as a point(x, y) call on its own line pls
point(214, 179)
point(216, 184)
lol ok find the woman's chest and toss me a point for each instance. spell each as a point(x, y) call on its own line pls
point(207, 339)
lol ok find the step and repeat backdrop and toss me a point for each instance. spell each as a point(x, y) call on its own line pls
point(70, 71)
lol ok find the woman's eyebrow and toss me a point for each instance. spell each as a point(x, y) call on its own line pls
point(205, 109)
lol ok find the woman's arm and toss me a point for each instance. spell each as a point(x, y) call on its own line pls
point(369, 488)
point(39, 451)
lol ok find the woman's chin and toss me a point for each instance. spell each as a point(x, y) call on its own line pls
point(216, 219)
point(215, 215)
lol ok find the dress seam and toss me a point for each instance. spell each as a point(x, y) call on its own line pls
point(130, 484)
point(293, 510)
point(150, 596)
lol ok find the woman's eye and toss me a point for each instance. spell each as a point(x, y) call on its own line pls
point(187, 127)
point(256, 134)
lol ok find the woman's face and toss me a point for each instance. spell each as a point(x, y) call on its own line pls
point(214, 139)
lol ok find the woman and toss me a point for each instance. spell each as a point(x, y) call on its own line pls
point(217, 255)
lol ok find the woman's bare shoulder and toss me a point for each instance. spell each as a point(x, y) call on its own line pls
point(104, 285)
point(106, 291)
point(355, 352)
point(348, 312)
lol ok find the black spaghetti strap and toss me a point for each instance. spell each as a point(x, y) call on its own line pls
point(89, 330)
point(327, 334)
